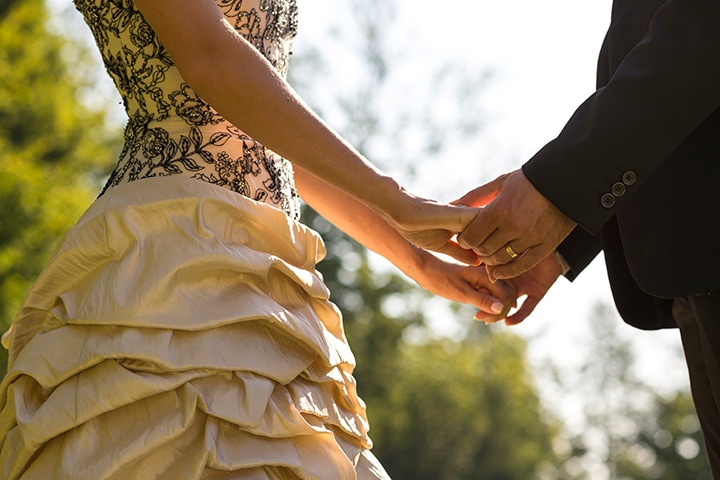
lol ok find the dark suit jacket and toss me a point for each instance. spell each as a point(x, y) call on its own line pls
point(638, 164)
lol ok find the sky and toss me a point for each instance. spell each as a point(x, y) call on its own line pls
point(542, 56)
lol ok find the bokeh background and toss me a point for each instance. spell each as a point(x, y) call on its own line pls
point(445, 96)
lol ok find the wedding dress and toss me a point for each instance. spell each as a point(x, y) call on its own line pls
point(180, 329)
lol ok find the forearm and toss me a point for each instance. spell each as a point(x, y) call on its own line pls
point(454, 281)
point(359, 222)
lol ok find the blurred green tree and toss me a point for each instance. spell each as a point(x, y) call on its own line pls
point(6, 6)
point(671, 440)
point(629, 431)
point(462, 411)
point(54, 147)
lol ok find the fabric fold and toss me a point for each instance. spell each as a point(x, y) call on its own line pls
point(182, 331)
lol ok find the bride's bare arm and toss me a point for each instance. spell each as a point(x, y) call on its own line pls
point(461, 283)
point(233, 77)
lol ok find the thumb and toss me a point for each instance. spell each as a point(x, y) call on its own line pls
point(483, 194)
point(452, 249)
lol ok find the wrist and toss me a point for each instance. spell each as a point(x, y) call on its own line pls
point(392, 202)
point(564, 265)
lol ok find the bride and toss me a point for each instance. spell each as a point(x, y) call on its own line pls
point(181, 331)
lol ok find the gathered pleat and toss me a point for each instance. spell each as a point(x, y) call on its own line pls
point(181, 331)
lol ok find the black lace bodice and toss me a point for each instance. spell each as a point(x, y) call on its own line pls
point(171, 131)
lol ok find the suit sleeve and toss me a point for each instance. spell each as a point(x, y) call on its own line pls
point(664, 88)
point(578, 250)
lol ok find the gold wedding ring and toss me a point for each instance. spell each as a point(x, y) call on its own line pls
point(509, 250)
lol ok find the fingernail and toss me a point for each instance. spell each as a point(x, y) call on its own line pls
point(496, 307)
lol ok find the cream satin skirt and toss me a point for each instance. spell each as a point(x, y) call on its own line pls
point(181, 331)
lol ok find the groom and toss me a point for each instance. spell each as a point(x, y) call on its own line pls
point(635, 173)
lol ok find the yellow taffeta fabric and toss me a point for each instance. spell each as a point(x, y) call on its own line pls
point(181, 331)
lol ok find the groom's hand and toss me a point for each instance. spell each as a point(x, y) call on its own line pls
point(517, 229)
point(533, 285)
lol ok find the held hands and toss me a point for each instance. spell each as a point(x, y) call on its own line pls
point(433, 226)
point(534, 283)
point(466, 284)
point(517, 229)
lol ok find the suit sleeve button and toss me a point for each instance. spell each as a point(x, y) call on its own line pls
point(608, 200)
point(619, 189)
point(629, 178)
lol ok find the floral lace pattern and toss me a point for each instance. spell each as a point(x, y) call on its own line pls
point(172, 131)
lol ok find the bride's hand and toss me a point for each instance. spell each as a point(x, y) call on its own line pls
point(433, 226)
point(465, 284)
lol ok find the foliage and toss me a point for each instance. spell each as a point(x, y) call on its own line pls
point(629, 432)
point(672, 441)
point(464, 410)
point(53, 147)
point(6, 6)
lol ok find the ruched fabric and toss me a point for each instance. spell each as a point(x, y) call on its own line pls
point(181, 331)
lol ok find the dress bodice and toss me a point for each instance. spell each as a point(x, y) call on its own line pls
point(171, 131)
